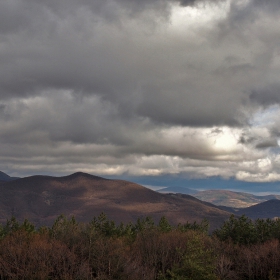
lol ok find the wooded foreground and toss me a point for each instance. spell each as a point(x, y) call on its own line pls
point(240, 249)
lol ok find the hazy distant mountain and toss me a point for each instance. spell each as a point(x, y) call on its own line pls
point(177, 190)
point(232, 199)
point(42, 198)
point(264, 210)
point(5, 177)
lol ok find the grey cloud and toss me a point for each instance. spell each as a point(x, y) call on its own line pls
point(74, 50)
point(18, 15)
point(275, 131)
point(66, 120)
point(259, 140)
point(243, 16)
point(270, 143)
point(275, 127)
point(266, 96)
point(187, 2)
point(135, 76)
point(11, 10)
point(216, 131)
point(245, 139)
point(100, 81)
point(270, 5)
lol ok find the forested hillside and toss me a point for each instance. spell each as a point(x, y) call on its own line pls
point(100, 249)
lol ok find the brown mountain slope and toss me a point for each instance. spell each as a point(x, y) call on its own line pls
point(268, 209)
point(42, 198)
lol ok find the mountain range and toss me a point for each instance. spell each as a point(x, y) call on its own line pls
point(237, 203)
point(223, 197)
point(233, 199)
point(41, 199)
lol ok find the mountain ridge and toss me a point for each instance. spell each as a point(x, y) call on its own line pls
point(265, 210)
point(226, 198)
point(41, 199)
point(5, 177)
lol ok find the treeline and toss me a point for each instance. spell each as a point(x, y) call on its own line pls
point(100, 249)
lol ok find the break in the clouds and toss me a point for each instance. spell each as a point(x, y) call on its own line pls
point(147, 87)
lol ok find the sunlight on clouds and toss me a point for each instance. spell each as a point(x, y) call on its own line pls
point(259, 177)
point(155, 165)
point(200, 152)
point(220, 143)
point(198, 16)
point(105, 169)
point(264, 164)
point(225, 140)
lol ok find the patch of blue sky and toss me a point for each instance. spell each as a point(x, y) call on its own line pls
point(265, 117)
point(210, 183)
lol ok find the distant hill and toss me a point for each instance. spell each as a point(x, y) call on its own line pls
point(268, 209)
point(232, 199)
point(6, 178)
point(178, 190)
point(41, 199)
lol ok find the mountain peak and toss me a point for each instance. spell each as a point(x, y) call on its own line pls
point(5, 177)
point(41, 199)
point(80, 174)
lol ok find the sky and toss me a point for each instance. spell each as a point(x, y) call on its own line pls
point(149, 90)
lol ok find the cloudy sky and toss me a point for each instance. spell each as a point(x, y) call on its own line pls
point(143, 89)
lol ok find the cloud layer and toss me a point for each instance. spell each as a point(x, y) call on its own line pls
point(140, 87)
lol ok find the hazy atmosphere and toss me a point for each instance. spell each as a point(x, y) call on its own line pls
point(151, 89)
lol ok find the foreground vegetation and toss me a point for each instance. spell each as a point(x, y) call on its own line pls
point(240, 249)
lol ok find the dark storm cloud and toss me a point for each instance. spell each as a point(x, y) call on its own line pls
point(89, 49)
point(271, 5)
point(266, 96)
